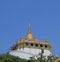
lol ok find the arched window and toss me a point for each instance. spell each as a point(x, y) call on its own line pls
point(36, 45)
point(31, 44)
point(41, 45)
point(26, 44)
point(45, 46)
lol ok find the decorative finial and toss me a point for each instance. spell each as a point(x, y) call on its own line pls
point(46, 40)
point(22, 38)
point(29, 31)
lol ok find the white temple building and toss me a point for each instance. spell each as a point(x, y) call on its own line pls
point(30, 47)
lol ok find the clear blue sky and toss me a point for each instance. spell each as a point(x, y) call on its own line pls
point(44, 16)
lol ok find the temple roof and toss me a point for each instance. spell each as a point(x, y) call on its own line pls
point(30, 40)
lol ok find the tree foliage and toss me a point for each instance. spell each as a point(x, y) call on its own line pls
point(42, 58)
point(39, 58)
point(10, 58)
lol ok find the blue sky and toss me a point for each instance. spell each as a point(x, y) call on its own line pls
point(44, 18)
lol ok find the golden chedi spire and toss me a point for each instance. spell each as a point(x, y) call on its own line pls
point(29, 34)
point(29, 31)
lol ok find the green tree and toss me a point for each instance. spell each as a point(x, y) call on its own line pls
point(41, 58)
point(10, 58)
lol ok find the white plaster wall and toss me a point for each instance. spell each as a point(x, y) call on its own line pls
point(28, 52)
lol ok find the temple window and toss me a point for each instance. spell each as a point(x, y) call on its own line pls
point(31, 44)
point(45, 46)
point(26, 44)
point(36, 45)
point(41, 45)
